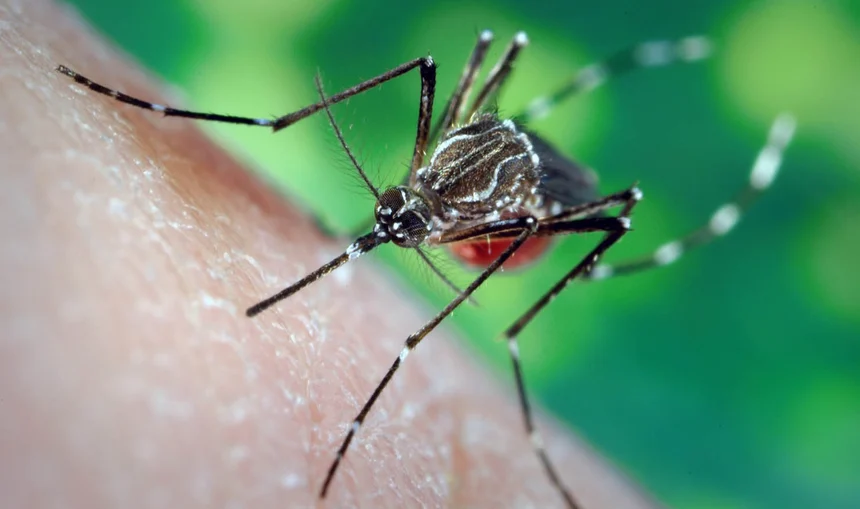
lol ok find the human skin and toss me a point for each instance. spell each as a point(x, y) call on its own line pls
point(129, 374)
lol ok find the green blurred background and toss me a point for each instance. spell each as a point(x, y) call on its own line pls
point(730, 380)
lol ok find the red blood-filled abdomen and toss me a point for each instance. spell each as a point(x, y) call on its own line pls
point(481, 253)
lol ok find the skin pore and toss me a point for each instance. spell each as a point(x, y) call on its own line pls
point(129, 375)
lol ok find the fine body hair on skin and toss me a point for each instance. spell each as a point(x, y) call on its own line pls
point(130, 375)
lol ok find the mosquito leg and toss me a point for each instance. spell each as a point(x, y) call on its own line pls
point(643, 55)
point(168, 111)
point(499, 73)
point(361, 246)
point(528, 225)
point(513, 348)
point(276, 124)
point(425, 113)
point(457, 102)
point(629, 198)
point(571, 220)
point(725, 217)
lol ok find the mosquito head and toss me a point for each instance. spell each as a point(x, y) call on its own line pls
point(403, 216)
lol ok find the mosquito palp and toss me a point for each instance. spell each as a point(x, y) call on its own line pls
point(490, 189)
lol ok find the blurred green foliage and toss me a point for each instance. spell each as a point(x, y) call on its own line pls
point(730, 380)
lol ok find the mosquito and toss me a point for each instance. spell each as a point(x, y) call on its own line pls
point(491, 189)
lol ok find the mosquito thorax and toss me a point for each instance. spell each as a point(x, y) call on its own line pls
point(403, 216)
point(481, 171)
point(496, 194)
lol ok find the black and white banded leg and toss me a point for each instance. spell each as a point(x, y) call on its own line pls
point(527, 226)
point(425, 113)
point(523, 228)
point(498, 74)
point(460, 95)
point(276, 124)
point(641, 56)
point(725, 217)
point(631, 198)
point(582, 218)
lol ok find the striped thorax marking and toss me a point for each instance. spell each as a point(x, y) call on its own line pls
point(481, 168)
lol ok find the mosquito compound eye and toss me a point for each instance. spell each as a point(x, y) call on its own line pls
point(390, 201)
point(488, 185)
point(403, 215)
point(409, 229)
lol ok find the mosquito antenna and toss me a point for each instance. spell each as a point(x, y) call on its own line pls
point(341, 139)
point(356, 249)
point(450, 284)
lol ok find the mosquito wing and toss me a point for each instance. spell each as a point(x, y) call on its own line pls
point(563, 180)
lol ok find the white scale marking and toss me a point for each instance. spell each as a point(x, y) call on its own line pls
point(514, 348)
point(407, 202)
point(473, 167)
point(524, 139)
point(354, 251)
point(159, 107)
point(489, 190)
point(536, 440)
point(651, 54)
point(601, 271)
point(769, 159)
point(539, 108)
point(529, 148)
point(765, 168)
point(404, 353)
point(443, 147)
point(668, 253)
point(521, 39)
point(694, 48)
point(591, 77)
point(724, 219)
point(782, 130)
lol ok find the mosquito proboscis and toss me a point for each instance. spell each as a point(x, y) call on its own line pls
point(489, 188)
